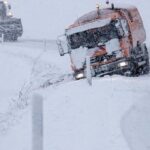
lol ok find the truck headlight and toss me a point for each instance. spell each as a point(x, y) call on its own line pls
point(79, 75)
point(123, 64)
point(5, 2)
point(10, 14)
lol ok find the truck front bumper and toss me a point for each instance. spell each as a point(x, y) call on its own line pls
point(121, 66)
point(117, 67)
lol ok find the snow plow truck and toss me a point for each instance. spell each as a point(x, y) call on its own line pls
point(10, 27)
point(112, 37)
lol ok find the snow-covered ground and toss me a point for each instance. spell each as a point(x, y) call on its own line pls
point(25, 67)
point(113, 113)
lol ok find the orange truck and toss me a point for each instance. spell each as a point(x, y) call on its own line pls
point(112, 37)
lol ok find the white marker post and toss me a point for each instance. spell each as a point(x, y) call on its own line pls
point(37, 122)
point(88, 70)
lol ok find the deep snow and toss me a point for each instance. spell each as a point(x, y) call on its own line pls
point(26, 66)
point(107, 115)
point(113, 113)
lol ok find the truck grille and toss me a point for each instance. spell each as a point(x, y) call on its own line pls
point(96, 59)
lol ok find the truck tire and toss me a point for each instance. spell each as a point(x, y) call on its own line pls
point(5, 38)
point(14, 38)
point(133, 69)
point(146, 67)
point(11, 38)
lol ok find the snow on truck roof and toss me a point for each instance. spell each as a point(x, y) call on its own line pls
point(91, 20)
point(87, 26)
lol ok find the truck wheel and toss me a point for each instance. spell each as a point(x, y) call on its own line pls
point(5, 38)
point(133, 69)
point(14, 38)
point(146, 67)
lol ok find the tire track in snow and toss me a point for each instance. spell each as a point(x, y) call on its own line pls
point(42, 75)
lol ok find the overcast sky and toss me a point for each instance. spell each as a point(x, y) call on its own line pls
point(49, 18)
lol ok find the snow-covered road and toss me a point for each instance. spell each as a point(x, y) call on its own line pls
point(76, 116)
point(26, 66)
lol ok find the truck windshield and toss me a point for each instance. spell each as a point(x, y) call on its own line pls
point(91, 38)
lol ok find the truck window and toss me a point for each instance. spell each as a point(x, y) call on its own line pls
point(91, 38)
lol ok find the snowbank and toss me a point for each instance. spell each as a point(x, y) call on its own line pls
point(25, 67)
point(136, 125)
point(78, 116)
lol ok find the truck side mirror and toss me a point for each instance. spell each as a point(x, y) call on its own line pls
point(62, 45)
point(119, 27)
point(60, 48)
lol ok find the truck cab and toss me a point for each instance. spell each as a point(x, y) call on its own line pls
point(112, 37)
point(10, 27)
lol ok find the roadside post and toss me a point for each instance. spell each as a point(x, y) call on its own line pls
point(37, 122)
point(88, 71)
